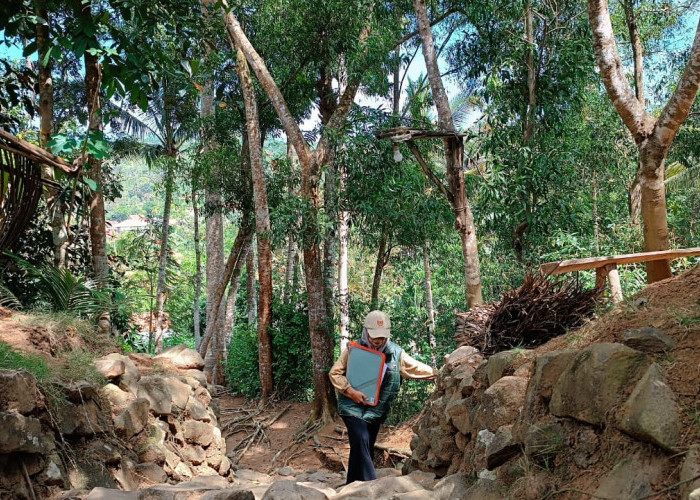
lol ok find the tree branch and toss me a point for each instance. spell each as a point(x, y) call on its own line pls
point(429, 172)
point(678, 107)
point(237, 38)
point(634, 116)
point(435, 21)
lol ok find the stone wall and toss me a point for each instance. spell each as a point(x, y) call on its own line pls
point(137, 430)
point(532, 423)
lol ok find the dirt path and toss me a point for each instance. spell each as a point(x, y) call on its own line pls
point(326, 450)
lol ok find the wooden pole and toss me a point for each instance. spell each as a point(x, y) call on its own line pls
point(614, 279)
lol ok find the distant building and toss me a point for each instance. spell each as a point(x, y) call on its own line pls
point(133, 223)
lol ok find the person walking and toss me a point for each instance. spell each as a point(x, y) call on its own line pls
point(363, 421)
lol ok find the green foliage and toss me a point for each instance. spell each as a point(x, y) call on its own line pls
point(13, 360)
point(60, 290)
point(242, 363)
point(291, 351)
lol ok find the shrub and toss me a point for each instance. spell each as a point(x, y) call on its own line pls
point(291, 351)
point(242, 362)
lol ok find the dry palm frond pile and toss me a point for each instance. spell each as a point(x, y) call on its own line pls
point(527, 317)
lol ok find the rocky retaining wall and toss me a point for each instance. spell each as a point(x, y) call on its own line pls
point(510, 421)
point(136, 431)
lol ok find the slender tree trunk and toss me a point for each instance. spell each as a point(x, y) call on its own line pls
point(53, 202)
point(343, 295)
point(196, 317)
point(454, 152)
point(596, 220)
point(290, 269)
point(234, 286)
point(234, 266)
point(262, 228)
point(429, 304)
point(330, 247)
point(653, 196)
point(383, 253)
point(98, 234)
point(161, 289)
point(531, 108)
point(251, 289)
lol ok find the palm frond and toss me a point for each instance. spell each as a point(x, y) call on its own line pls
point(8, 299)
point(679, 177)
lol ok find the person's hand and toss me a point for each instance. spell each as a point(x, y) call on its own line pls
point(356, 396)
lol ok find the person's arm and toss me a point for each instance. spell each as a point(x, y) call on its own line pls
point(412, 368)
point(340, 381)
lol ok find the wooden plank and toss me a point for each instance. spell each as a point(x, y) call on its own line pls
point(402, 134)
point(566, 266)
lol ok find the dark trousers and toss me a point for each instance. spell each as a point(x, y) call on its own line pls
point(362, 436)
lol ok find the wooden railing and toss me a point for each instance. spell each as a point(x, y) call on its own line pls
point(606, 267)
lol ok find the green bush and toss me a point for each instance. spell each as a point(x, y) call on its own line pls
point(291, 351)
point(242, 362)
point(292, 366)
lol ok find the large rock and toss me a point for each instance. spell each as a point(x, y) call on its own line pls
point(189, 490)
point(81, 419)
point(18, 391)
point(502, 402)
point(117, 397)
point(651, 413)
point(157, 392)
point(632, 477)
point(198, 432)
point(484, 489)
point(289, 490)
point(110, 368)
point(196, 410)
point(150, 474)
point(453, 486)
point(458, 413)
point(386, 487)
point(650, 340)
point(20, 433)
point(182, 357)
point(131, 375)
point(501, 363)
point(690, 488)
point(463, 355)
point(548, 367)
point(236, 493)
point(501, 448)
point(594, 380)
point(179, 391)
point(133, 419)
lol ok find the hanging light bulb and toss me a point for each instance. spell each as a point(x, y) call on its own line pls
point(397, 154)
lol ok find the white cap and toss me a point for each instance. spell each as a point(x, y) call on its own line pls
point(378, 324)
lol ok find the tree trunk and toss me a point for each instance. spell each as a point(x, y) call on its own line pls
point(233, 288)
point(161, 289)
point(216, 314)
point(454, 152)
point(198, 272)
point(251, 289)
point(53, 202)
point(653, 137)
point(343, 295)
point(262, 228)
point(653, 197)
point(290, 269)
point(98, 234)
point(234, 267)
point(383, 253)
point(429, 304)
point(330, 246)
point(531, 108)
point(596, 218)
point(637, 51)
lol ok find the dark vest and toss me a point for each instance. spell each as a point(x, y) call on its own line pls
point(387, 392)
